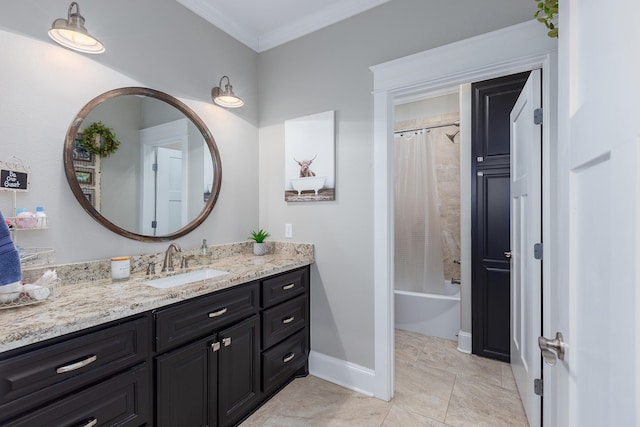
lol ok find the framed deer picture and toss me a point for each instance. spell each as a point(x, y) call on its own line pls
point(309, 150)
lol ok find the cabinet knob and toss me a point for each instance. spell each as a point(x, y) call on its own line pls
point(226, 341)
point(215, 346)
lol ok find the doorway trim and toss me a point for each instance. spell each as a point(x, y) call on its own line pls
point(510, 50)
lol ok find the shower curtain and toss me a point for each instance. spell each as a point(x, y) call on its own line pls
point(418, 247)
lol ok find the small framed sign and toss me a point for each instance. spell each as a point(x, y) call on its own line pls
point(14, 180)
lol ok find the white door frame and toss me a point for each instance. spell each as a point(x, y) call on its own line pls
point(510, 50)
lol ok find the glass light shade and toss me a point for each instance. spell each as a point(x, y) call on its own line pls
point(226, 98)
point(72, 33)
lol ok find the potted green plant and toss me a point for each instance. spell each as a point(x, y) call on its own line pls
point(547, 14)
point(258, 237)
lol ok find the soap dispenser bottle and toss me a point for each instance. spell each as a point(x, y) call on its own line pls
point(204, 253)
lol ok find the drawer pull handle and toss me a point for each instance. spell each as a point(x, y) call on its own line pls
point(289, 357)
point(218, 313)
point(92, 422)
point(77, 365)
point(289, 286)
point(226, 341)
point(288, 320)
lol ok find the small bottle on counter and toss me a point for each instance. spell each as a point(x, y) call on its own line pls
point(203, 258)
point(41, 217)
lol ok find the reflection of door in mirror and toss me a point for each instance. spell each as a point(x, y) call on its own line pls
point(165, 202)
point(171, 156)
point(129, 177)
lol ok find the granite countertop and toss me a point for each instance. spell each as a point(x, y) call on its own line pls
point(83, 304)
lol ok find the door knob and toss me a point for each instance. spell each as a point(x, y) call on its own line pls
point(552, 349)
point(507, 254)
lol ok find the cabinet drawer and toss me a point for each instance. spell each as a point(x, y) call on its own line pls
point(281, 362)
point(195, 318)
point(282, 320)
point(284, 287)
point(122, 400)
point(30, 379)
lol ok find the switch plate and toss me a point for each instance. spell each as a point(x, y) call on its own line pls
point(288, 231)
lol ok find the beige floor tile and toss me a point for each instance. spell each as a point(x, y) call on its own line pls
point(409, 345)
point(444, 354)
point(478, 404)
point(402, 418)
point(312, 401)
point(422, 389)
point(436, 386)
point(508, 381)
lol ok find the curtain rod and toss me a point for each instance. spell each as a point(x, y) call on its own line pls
point(456, 123)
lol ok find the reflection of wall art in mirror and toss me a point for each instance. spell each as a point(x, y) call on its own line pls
point(84, 176)
point(81, 154)
point(89, 194)
point(119, 191)
point(309, 158)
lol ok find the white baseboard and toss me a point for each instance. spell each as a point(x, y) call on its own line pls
point(343, 373)
point(464, 342)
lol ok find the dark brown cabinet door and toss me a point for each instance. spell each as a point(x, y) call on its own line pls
point(239, 370)
point(493, 101)
point(187, 386)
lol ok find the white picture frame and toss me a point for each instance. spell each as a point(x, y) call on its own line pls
point(310, 158)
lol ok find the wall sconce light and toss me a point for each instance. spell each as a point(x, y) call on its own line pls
point(226, 97)
point(72, 33)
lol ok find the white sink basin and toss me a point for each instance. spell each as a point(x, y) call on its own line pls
point(184, 278)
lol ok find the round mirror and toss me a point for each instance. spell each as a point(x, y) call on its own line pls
point(164, 177)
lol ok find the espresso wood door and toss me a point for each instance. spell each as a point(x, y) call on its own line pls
point(493, 101)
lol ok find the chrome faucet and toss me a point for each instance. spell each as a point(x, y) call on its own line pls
point(167, 264)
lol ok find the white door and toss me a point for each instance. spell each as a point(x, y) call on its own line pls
point(597, 305)
point(168, 191)
point(526, 231)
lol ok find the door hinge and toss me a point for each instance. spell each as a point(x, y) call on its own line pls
point(154, 224)
point(154, 167)
point(538, 386)
point(537, 251)
point(537, 116)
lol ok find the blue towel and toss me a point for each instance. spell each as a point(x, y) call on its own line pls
point(10, 271)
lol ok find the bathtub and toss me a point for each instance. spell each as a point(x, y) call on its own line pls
point(314, 183)
point(431, 314)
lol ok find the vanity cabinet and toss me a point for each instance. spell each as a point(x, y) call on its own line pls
point(220, 356)
point(285, 328)
point(96, 376)
point(213, 380)
point(206, 361)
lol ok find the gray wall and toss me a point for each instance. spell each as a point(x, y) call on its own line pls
point(329, 70)
point(160, 44)
point(152, 43)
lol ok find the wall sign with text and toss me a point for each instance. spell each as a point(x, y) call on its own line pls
point(13, 180)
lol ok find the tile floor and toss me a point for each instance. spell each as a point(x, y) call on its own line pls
point(436, 385)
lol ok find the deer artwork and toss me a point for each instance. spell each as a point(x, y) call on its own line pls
point(304, 167)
